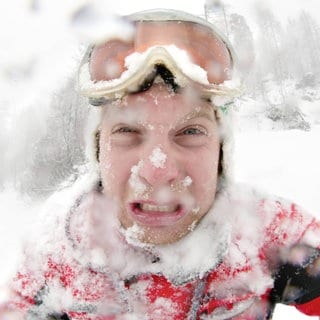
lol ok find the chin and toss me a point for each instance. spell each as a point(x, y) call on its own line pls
point(160, 236)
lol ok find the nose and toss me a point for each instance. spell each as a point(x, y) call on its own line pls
point(160, 167)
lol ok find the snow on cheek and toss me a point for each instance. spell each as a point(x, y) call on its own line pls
point(181, 185)
point(158, 158)
point(195, 210)
point(134, 180)
point(168, 193)
point(189, 203)
point(187, 181)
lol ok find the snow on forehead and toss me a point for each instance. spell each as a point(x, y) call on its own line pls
point(118, 113)
point(129, 108)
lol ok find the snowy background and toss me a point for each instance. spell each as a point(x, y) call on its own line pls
point(278, 118)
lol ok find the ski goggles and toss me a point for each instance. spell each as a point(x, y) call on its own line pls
point(188, 47)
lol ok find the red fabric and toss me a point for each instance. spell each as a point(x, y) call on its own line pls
point(226, 287)
point(311, 308)
point(180, 296)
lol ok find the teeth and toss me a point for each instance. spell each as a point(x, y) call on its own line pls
point(163, 208)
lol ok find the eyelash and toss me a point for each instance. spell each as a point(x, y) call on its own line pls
point(199, 131)
point(125, 130)
point(192, 130)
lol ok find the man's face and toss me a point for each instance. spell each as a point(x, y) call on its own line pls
point(159, 154)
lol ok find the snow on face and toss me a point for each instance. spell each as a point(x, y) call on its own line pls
point(135, 182)
point(187, 181)
point(133, 234)
point(158, 158)
point(159, 177)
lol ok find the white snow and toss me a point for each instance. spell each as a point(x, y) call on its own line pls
point(178, 261)
point(135, 182)
point(137, 61)
point(283, 163)
point(158, 158)
point(187, 181)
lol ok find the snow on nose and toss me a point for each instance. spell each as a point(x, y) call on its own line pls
point(159, 168)
point(158, 158)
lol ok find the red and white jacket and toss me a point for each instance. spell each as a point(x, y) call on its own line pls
point(247, 254)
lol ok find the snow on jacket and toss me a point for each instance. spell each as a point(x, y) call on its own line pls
point(247, 254)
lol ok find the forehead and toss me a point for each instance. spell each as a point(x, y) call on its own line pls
point(159, 102)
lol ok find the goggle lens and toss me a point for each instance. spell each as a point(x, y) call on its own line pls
point(203, 47)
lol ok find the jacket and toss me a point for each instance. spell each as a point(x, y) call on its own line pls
point(247, 254)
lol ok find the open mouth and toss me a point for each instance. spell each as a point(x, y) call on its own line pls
point(151, 214)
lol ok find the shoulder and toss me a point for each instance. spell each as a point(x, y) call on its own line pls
point(255, 204)
point(268, 220)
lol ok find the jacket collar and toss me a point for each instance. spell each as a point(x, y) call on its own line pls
point(193, 256)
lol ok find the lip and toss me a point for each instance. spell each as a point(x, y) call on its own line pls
point(153, 214)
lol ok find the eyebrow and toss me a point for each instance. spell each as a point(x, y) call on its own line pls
point(199, 114)
point(119, 115)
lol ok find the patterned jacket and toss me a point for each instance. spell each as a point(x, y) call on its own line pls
point(249, 253)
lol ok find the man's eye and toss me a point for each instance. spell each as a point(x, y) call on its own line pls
point(193, 136)
point(125, 130)
point(193, 131)
point(125, 136)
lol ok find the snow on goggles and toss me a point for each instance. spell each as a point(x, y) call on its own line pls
point(187, 46)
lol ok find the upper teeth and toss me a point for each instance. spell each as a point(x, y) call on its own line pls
point(163, 208)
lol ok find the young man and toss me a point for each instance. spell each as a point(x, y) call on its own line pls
point(159, 231)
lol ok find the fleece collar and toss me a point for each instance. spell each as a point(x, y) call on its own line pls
point(200, 251)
